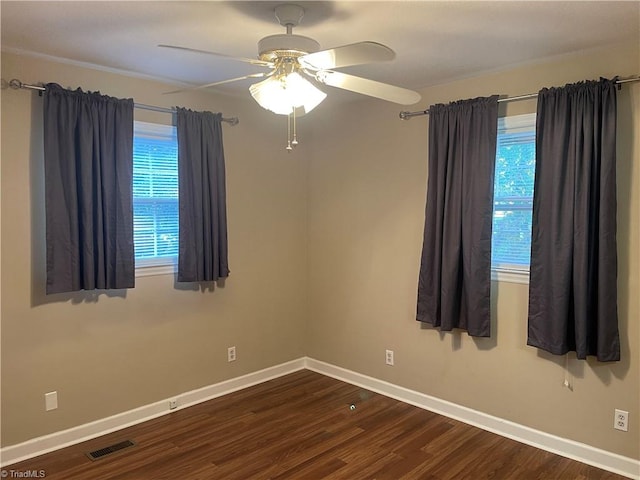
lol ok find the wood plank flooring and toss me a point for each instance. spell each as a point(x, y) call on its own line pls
point(300, 426)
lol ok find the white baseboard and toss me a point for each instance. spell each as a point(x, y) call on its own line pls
point(581, 452)
point(48, 443)
point(561, 446)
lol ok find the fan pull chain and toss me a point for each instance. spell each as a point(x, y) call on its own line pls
point(291, 143)
point(289, 148)
point(295, 137)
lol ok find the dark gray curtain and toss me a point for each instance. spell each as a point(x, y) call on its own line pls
point(572, 288)
point(455, 271)
point(202, 253)
point(88, 156)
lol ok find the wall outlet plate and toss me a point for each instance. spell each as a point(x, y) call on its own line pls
point(231, 354)
point(50, 401)
point(621, 420)
point(389, 357)
point(173, 404)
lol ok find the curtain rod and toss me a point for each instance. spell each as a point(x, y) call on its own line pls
point(17, 84)
point(408, 115)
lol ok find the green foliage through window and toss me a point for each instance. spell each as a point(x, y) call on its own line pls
point(513, 193)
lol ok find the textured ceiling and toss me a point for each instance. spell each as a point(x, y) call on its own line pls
point(435, 42)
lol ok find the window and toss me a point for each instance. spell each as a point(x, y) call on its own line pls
point(513, 195)
point(155, 194)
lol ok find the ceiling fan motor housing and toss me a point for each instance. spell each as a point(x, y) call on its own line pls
point(285, 45)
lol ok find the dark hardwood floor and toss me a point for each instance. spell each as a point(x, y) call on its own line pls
point(300, 426)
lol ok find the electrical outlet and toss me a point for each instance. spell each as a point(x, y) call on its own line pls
point(621, 420)
point(50, 401)
point(389, 357)
point(231, 354)
point(173, 404)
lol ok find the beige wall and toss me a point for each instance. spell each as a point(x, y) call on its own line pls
point(324, 252)
point(110, 353)
point(366, 213)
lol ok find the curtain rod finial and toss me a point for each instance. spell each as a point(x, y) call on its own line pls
point(15, 83)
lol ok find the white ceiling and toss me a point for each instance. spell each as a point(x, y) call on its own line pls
point(435, 42)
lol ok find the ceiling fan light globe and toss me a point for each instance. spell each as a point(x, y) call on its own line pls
point(271, 95)
point(283, 95)
point(303, 93)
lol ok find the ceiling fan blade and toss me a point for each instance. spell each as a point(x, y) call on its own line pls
point(353, 54)
point(221, 82)
point(253, 61)
point(384, 91)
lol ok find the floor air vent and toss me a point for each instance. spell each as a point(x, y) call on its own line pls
point(96, 454)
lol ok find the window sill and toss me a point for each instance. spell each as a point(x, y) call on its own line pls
point(154, 270)
point(509, 276)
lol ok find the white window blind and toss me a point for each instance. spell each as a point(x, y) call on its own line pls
point(513, 193)
point(155, 194)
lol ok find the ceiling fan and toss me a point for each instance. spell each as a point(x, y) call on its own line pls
point(296, 68)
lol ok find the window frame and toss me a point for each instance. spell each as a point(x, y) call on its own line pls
point(165, 265)
point(513, 124)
